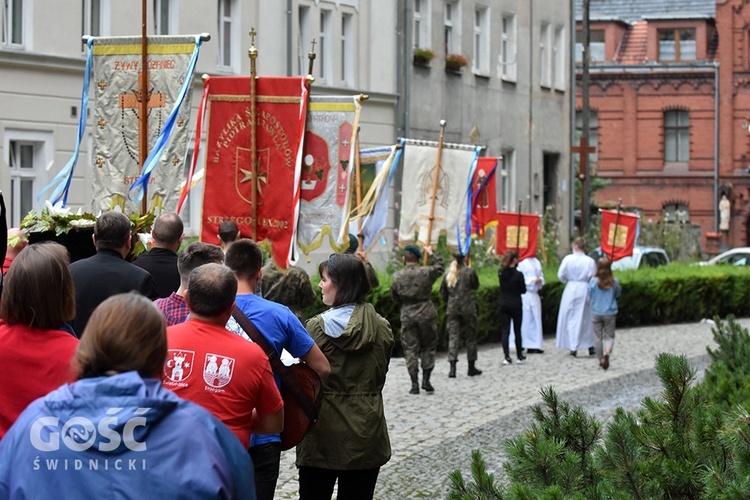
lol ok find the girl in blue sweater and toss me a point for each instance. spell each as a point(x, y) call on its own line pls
point(604, 289)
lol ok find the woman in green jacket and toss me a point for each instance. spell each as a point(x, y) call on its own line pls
point(349, 442)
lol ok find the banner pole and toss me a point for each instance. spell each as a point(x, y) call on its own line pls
point(434, 186)
point(358, 168)
point(252, 53)
point(614, 236)
point(518, 230)
point(145, 95)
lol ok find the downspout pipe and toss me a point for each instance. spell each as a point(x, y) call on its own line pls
point(716, 146)
point(571, 162)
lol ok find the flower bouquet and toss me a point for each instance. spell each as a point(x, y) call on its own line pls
point(74, 229)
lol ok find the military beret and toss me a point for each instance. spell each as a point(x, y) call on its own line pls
point(413, 249)
point(353, 243)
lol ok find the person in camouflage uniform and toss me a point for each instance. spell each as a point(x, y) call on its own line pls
point(411, 289)
point(457, 290)
point(291, 288)
point(372, 275)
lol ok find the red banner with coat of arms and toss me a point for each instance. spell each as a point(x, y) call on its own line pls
point(280, 110)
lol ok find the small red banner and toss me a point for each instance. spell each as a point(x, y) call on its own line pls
point(517, 232)
point(618, 234)
point(483, 197)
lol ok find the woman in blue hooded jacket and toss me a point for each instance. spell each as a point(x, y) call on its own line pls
point(116, 433)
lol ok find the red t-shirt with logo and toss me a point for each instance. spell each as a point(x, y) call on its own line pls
point(34, 361)
point(222, 372)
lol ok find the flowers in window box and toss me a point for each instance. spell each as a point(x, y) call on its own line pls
point(423, 56)
point(455, 62)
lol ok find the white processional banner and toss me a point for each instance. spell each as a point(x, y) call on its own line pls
point(450, 193)
point(115, 79)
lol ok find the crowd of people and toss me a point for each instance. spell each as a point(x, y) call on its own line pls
point(161, 373)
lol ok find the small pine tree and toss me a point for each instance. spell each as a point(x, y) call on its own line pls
point(483, 486)
point(555, 454)
point(727, 380)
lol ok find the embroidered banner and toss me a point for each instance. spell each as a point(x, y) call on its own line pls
point(483, 196)
point(451, 198)
point(230, 179)
point(117, 114)
point(327, 160)
point(382, 162)
point(518, 232)
point(618, 234)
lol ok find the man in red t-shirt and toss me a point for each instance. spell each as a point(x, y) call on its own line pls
point(210, 366)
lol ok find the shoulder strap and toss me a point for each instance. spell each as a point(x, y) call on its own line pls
point(279, 369)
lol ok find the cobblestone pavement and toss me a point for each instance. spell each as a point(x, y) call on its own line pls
point(434, 434)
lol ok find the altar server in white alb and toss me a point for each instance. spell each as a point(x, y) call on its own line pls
point(574, 321)
point(531, 325)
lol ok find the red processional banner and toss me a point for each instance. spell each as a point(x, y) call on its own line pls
point(618, 234)
point(518, 232)
point(483, 198)
point(280, 111)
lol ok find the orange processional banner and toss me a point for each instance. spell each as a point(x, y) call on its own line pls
point(618, 234)
point(230, 179)
point(519, 232)
point(483, 198)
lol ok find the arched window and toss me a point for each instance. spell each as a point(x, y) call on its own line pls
point(676, 212)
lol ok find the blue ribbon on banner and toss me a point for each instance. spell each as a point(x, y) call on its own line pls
point(60, 194)
point(463, 248)
point(136, 191)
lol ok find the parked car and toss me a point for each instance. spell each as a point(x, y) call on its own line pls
point(736, 257)
point(642, 257)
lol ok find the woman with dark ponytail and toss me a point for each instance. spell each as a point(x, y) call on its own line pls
point(512, 286)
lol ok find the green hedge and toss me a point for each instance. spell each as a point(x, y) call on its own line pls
point(676, 293)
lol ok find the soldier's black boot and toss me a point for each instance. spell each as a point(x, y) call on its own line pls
point(426, 385)
point(473, 370)
point(414, 382)
point(452, 372)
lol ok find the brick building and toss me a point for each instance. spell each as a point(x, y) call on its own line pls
point(661, 73)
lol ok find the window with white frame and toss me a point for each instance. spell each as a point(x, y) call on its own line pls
point(27, 153)
point(304, 38)
point(508, 48)
point(165, 17)
point(481, 40)
point(676, 136)
point(13, 23)
point(348, 44)
point(452, 27)
point(545, 56)
point(95, 17)
point(506, 179)
point(558, 61)
point(227, 35)
point(421, 24)
point(325, 67)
